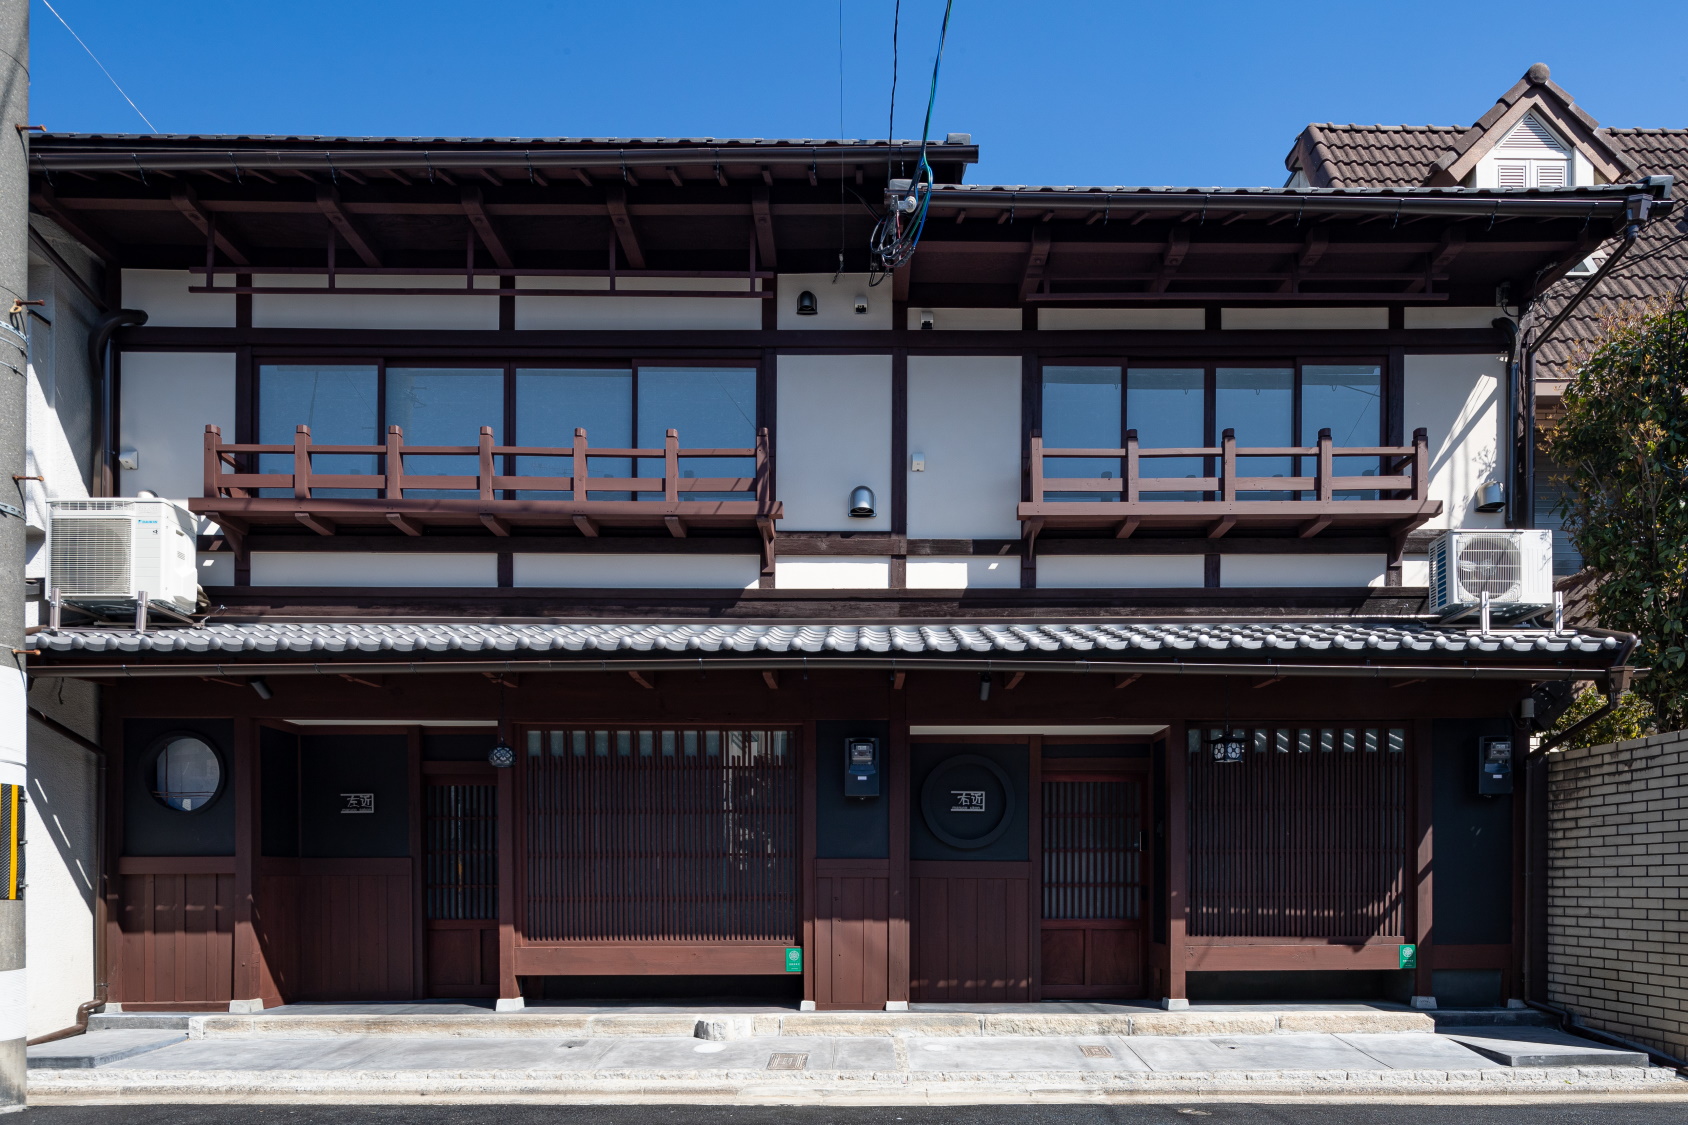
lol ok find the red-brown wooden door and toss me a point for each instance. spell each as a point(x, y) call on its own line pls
point(1093, 835)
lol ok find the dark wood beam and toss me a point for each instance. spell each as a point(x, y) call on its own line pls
point(1014, 681)
point(615, 201)
point(1221, 527)
point(676, 526)
point(1452, 245)
point(640, 679)
point(495, 525)
point(316, 523)
point(587, 526)
point(1313, 527)
point(1268, 682)
point(772, 679)
point(767, 254)
point(898, 679)
point(1177, 247)
point(1036, 262)
point(474, 208)
point(328, 202)
point(46, 202)
point(361, 680)
point(405, 524)
point(1127, 681)
point(187, 202)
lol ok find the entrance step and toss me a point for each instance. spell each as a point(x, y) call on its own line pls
point(138, 1021)
point(1492, 1017)
point(96, 1048)
point(1539, 1046)
point(1012, 1019)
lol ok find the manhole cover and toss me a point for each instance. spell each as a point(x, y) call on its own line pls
point(788, 1062)
point(1096, 1052)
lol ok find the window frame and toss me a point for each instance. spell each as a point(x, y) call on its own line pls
point(155, 750)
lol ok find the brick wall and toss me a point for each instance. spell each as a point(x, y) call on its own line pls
point(1617, 950)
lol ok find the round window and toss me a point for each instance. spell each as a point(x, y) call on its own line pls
point(187, 774)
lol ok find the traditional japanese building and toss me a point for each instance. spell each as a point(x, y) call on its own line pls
point(573, 572)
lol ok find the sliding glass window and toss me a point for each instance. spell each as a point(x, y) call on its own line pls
point(1081, 410)
point(1258, 404)
point(341, 403)
point(1347, 399)
point(552, 402)
point(445, 406)
point(708, 408)
point(1167, 406)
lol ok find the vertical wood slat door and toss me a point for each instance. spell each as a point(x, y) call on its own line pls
point(1092, 933)
point(460, 885)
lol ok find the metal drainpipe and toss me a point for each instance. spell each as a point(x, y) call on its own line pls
point(100, 975)
point(100, 481)
point(1514, 358)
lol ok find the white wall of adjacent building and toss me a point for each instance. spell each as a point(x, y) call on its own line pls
point(1457, 399)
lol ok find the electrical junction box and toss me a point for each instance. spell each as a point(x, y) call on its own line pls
point(861, 767)
point(1494, 765)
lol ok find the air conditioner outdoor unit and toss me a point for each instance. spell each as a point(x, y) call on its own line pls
point(104, 553)
point(1515, 568)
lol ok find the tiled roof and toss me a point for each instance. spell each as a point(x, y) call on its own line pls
point(1357, 639)
point(1346, 156)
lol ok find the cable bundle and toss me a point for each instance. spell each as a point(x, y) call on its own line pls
point(897, 232)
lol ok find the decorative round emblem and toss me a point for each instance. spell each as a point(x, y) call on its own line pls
point(968, 801)
point(501, 756)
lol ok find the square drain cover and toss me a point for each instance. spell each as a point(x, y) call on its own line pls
point(788, 1061)
point(1096, 1052)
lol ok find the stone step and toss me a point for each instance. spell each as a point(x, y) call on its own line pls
point(135, 1021)
point(96, 1048)
point(540, 1023)
point(1539, 1046)
point(1492, 1017)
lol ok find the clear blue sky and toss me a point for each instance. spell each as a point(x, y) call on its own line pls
point(1056, 91)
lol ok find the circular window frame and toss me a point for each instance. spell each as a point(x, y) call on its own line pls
point(155, 750)
point(931, 786)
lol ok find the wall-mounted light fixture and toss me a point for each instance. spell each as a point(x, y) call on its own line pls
point(861, 304)
point(806, 304)
point(1491, 497)
point(926, 318)
point(861, 503)
point(917, 462)
point(984, 687)
point(501, 757)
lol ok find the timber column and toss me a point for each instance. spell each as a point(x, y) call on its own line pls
point(14, 287)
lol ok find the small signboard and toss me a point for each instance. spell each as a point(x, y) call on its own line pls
point(1409, 957)
point(794, 959)
point(357, 802)
point(968, 800)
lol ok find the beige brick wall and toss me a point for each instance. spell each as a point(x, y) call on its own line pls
point(1617, 947)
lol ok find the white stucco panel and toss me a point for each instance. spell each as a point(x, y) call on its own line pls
point(672, 572)
point(372, 568)
point(168, 398)
point(1336, 319)
point(1126, 320)
point(867, 572)
point(967, 320)
point(1457, 399)
point(1309, 570)
point(833, 433)
point(336, 310)
point(612, 313)
point(963, 572)
point(1122, 572)
point(964, 423)
point(163, 295)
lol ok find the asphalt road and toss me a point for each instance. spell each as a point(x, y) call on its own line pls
point(1210, 1113)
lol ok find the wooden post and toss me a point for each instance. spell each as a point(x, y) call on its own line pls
point(253, 986)
point(764, 485)
point(418, 911)
point(579, 470)
point(1037, 468)
point(1129, 493)
point(1177, 865)
point(1228, 465)
point(509, 988)
point(1326, 468)
point(1424, 781)
point(213, 465)
point(897, 907)
point(485, 472)
point(302, 463)
point(1421, 464)
point(1034, 883)
point(394, 484)
point(671, 466)
point(810, 909)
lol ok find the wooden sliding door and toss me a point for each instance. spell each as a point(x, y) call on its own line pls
point(1093, 836)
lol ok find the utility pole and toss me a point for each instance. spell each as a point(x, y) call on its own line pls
point(14, 288)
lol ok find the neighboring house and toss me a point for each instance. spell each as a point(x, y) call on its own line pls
point(1535, 136)
point(605, 596)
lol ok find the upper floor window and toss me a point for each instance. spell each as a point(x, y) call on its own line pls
point(632, 406)
point(1531, 156)
point(1188, 406)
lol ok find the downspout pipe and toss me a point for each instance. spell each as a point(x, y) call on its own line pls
point(99, 470)
point(1514, 359)
point(100, 984)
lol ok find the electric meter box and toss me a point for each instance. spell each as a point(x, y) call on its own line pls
point(1494, 766)
point(861, 767)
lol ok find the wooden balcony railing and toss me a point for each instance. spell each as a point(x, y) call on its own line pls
point(1392, 501)
point(492, 497)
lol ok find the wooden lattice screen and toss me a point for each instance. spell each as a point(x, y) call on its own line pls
point(1304, 836)
point(461, 831)
point(1092, 862)
point(661, 834)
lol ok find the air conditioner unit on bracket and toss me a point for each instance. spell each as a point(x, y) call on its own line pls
point(102, 554)
point(1514, 567)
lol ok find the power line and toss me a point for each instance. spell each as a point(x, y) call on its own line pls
point(99, 64)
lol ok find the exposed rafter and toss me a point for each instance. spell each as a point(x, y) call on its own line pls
point(328, 202)
point(46, 202)
point(1037, 261)
point(475, 209)
point(1177, 246)
point(766, 253)
point(615, 201)
point(187, 202)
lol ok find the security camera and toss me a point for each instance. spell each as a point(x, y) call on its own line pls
point(861, 304)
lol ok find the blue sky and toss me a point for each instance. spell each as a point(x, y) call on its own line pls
point(1059, 91)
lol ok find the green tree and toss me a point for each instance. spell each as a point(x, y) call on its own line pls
point(1623, 442)
point(1631, 718)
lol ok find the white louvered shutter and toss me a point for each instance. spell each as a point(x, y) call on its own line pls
point(1512, 173)
point(1549, 173)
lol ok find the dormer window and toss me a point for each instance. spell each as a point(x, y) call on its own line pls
point(1531, 156)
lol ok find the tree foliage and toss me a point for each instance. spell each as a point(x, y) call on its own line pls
point(1631, 718)
point(1623, 442)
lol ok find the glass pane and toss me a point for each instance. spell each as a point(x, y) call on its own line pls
point(1346, 399)
point(444, 406)
point(1167, 408)
point(711, 408)
point(337, 403)
point(188, 774)
point(552, 402)
point(1259, 404)
point(1081, 411)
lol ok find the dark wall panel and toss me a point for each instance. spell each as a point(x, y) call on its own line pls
point(850, 827)
point(332, 764)
point(1014, 761)
point(150, 828)
point(458, 747)
point(279, 791)
point(1473, 881)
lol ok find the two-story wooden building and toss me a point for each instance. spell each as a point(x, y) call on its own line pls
point(612, 588)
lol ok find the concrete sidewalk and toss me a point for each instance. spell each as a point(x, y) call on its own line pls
point(860, 1069)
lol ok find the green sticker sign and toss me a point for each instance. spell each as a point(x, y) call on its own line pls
point(1409, 956)
point(794, 959)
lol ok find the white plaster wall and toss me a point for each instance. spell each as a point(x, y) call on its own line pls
point(964, 416)
point(867, 572)
point(168, 398)
point(833, 419)
point(1415, 570)
point(969, 320)
point(682, 572)
point(447, 311)
point(59, 854)
point(1302, 570)
point(1089, 572)
point(620, 313)
point(216, 568)
point(1455, 317)
point(163, 295)
point(835, 302)
point(1456, 398)
point(963, 572)
point(1131, 320)
point(372, 568)
point(1301, 319)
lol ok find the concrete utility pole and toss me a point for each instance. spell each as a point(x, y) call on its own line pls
point(14, 287)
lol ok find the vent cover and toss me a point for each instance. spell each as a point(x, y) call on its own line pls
point(1487, 564)
point(91, 555)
